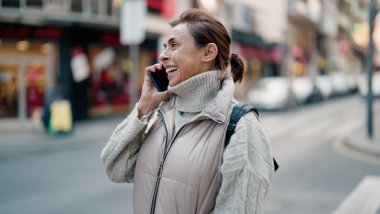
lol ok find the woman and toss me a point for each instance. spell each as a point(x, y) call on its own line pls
point(172, 144)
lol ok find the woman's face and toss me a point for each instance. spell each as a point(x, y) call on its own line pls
point(181, 58)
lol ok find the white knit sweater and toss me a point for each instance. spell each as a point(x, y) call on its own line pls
point(193, 94)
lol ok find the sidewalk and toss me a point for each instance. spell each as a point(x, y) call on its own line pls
point(359, 141)
point(19, 139)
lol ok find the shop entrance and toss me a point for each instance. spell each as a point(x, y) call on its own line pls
point(24, 83)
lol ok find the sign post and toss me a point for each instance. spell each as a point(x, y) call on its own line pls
point(372, 15)
point(132, 33)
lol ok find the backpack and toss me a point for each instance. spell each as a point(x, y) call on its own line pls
point(238, 111)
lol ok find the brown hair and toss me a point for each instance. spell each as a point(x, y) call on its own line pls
point(206, 29)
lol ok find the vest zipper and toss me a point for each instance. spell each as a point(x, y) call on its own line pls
point(162, 162)
point(159, 173)
point(158, 179)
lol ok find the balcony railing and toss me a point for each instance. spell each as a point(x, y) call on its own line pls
point(82, 11)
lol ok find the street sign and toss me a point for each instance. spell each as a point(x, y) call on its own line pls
point(132, 22)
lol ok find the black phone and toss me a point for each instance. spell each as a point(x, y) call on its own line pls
point(159, 79)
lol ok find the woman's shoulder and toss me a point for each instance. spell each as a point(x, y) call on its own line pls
point(251, 144)
point(250, 134)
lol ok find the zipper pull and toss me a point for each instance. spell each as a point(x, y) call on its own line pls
point(160, 168)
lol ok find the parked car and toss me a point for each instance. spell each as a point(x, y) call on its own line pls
point(305, 91)
point(339, 83)
point(325, 85)
point(363, 84)
point(271, 93)
point(352, 82)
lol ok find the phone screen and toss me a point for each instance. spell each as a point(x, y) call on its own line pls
point(159, 79)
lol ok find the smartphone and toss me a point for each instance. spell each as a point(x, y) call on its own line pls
point(159, 79)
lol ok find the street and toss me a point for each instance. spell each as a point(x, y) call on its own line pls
point(314, 177)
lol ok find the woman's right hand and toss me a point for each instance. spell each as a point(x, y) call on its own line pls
point(150, 97)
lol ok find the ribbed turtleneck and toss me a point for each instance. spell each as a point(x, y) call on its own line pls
point(196, 92)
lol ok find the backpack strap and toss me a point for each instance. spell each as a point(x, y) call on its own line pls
point(238, 111)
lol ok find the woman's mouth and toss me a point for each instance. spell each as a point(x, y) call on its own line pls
point(171, 69)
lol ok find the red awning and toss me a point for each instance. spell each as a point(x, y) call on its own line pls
point(265, 54)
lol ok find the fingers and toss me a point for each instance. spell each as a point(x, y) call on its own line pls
point(154, 68)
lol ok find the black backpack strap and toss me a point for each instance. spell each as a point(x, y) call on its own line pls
point(238, 111)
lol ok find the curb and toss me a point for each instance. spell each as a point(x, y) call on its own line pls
point(362, 144)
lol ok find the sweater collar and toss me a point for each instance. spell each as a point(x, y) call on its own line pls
point(218, 108)
point(193, 94)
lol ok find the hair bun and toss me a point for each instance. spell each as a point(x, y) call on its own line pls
point(238, 67)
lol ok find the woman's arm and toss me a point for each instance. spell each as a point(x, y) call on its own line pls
point(246, 169)
point(120, 153)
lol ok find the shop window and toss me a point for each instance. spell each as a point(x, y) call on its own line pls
point(35, 87)
point(109, 81)
point(8, 90)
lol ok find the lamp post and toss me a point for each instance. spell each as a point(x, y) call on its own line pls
point(372, 15)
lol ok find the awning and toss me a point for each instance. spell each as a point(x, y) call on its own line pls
point(272, 54)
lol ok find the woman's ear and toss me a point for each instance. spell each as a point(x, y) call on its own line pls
point(210, 52)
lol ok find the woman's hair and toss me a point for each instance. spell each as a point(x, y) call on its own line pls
point(206, 29)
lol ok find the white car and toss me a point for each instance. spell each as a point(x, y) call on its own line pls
point(363, 84)
point(325, 85)
point(271, 93)
point(339, 83)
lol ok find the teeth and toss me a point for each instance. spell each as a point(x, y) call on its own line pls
point(171, 69)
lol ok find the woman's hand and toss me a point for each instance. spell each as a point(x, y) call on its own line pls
point(150, 97)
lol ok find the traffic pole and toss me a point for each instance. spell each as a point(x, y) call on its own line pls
point(372, 14)
point(133, 75)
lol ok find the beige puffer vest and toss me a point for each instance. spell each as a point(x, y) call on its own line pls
point(182, 175)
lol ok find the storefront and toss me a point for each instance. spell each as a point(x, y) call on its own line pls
point(88, 64)
point(110, 76)
point(26, 75)
point(303, 49)
point(105, 90)
point(263, 58)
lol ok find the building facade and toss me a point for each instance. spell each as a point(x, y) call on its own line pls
point(74, 46)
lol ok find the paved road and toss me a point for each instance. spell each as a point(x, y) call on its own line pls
point(313, 177)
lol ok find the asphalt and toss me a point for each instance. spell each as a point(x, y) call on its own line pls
point(19, 139)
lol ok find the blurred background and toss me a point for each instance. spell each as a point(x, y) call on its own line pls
point(71, 70)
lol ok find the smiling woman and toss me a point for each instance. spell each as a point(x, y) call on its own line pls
point(172, 144)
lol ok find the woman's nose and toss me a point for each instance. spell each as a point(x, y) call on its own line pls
point(164, 56)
